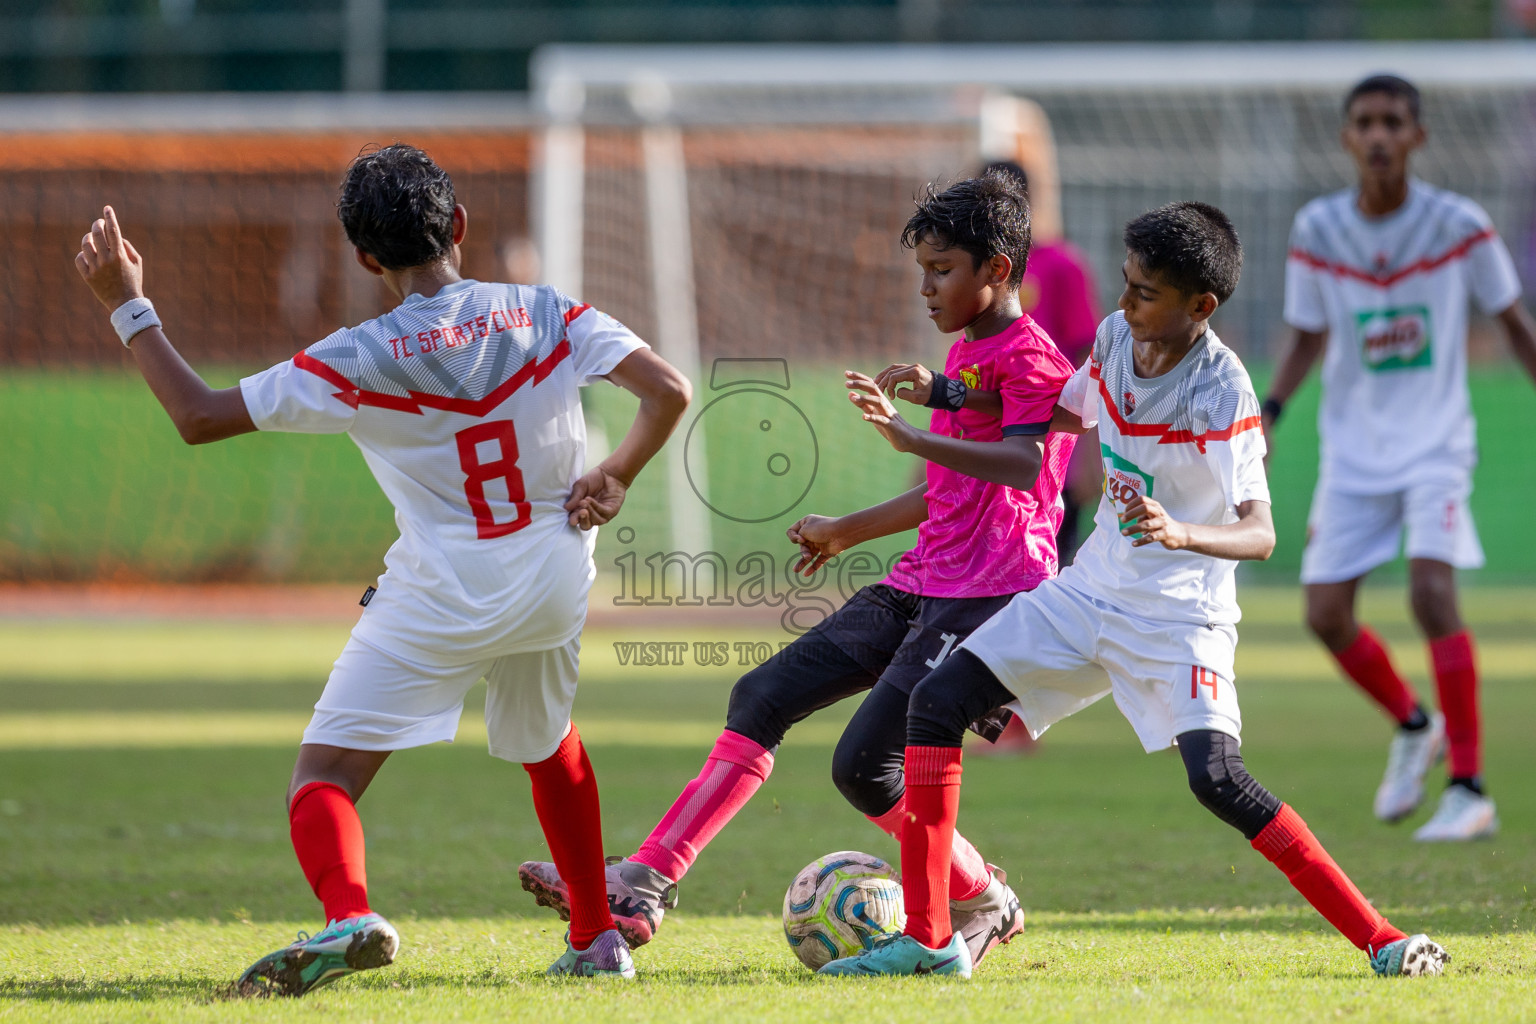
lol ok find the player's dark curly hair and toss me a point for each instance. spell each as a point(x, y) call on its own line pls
point(397, 206)
point(1392, 85)
point(1192, 246)
point(985, 216)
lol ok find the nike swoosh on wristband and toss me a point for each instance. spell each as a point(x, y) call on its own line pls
point(138, 314)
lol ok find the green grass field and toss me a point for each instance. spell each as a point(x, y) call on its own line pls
point(99, 486)
point(144, 856)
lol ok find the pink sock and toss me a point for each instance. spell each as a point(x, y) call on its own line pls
point(736, 767)
point(968, 874)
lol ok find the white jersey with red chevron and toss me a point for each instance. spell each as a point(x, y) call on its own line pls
point(465, 407)
point(1192, 440)
point(1391, 294)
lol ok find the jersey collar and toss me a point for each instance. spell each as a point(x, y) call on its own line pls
point(417, 299)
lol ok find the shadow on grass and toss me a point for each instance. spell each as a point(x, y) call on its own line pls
point(78, 990)
point(724, 975)
point(1191, 921)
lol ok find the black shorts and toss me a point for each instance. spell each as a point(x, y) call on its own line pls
point(882, 635)
point(900, 637)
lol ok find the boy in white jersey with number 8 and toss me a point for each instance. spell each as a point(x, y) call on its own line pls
point(1148, 610)
point(463, 400)
point(1377, 283)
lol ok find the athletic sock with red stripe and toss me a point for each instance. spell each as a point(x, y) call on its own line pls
point(1456, 681)
point(1292, 848)
point(328, 838)
point(565, 799)
point(927, 837)
point(1367, 662)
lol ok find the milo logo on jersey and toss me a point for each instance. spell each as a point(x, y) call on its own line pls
point(1394, 339)
point(1124, 481)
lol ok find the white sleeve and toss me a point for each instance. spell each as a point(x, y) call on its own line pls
point(1491, 275)
point(1080, 395)
point(301, 396)
point(598, 342)
point(1304, 308)
point(1236, 455)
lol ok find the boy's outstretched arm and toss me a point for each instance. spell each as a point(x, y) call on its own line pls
point(115, 272)
point(1013, 461)
point(1251, 538)
point(822, 537)
point(1521, 331)
point(664, 394)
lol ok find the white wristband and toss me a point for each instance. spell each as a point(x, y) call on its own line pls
point(132, 317)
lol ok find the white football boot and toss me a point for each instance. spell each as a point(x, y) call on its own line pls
point(989, 920)
point(1409, 759)
point(1462, 815)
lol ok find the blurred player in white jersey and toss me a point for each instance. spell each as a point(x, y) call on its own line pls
point(463, 400)
point(1147, 612)
point(1377, 284)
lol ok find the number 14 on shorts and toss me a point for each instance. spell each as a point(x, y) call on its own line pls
point(1199, 677)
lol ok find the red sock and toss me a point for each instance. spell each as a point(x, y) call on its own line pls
point(328, 837)
point(736, 767)
point(1366, 662)
point(1292, 848)
point(968, 873)
point(565, 799)
point(933, 802)
point(1456, 681)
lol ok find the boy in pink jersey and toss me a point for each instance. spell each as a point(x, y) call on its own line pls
point(463, 400)
point(986, 523)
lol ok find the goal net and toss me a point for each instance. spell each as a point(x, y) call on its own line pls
point(737, 206)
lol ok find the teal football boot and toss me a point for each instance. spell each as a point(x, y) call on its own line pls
point(902, 954)
point(1410, 958)
point(341, 948)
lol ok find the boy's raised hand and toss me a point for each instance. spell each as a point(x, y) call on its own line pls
point(877, 409)
point(819, 541)
point(915, 374)
point(109, 263)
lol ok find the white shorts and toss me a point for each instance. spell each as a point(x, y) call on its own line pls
point(1059, 650)
point(375, 700)
point(1348, 535)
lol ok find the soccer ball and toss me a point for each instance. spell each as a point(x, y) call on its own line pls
point(840, 904)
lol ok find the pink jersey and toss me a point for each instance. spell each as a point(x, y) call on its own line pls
point(1057, 291)
point(982, 539)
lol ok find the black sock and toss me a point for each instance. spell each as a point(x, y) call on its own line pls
point(1416, 721)
point(1471, 782)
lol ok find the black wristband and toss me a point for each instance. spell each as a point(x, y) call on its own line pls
point(1272, 407)
point(946, 394)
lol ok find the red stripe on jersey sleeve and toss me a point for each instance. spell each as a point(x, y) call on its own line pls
point(576, 311)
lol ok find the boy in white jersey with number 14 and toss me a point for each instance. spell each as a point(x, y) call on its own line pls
point(1147, 612)
point(1377, 284)
point(463, 400)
